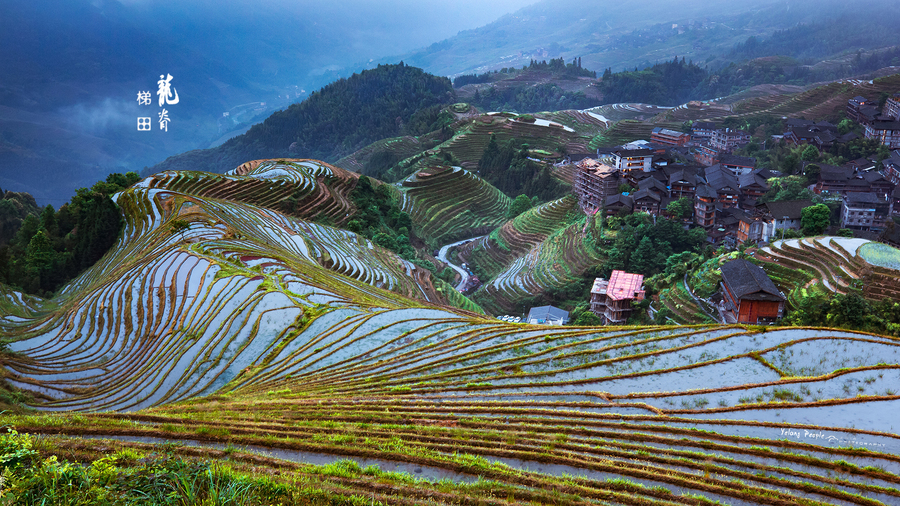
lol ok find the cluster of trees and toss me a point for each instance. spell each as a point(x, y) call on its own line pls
point(346, 115)
point(541, 97)
point(51, 249)
point(788, 188)
point(557, 66)
point(669, 83)
point(379, 218)
point(850, 310)
point(644, 247)
point(14, 208)
point(508, 168)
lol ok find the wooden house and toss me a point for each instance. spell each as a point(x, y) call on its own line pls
point(748, 293)
point(594, 182)
point(611, 299)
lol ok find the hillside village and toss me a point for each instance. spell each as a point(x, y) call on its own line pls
point(704, 179)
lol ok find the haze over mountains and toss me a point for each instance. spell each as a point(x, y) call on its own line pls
point(72, 69)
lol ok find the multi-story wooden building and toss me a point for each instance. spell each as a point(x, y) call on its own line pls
point(748, 293)
point(668, 137)
point(854, 105)
point(594, 183)
point(892, 168)
point(647, 201)
point(702, 130)
point(705, 206)
point(615, 204)
point(611, 299)
point(726, 186)
point(892, 107)
point(727, 140)
point(683, 183)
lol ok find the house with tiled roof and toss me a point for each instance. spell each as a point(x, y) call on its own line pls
point(647, 201)
point(547, 315)
point(668, 137)
point(749, 295)
point(724, 183)
point(616, 203)
point(753, 185)
point(611, 299)
point(683, 183)
point(738, 165)
point(854, 105)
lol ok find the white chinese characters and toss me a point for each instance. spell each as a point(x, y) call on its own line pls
point(168, 95)
point(164, 120)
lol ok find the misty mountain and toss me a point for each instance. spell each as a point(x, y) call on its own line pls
point(626, 34)
point(72, 70)
point(341, 118)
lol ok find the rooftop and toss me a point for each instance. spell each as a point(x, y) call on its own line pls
point(625, 285)
point(749, 281)
point(547, 314)
point(789, 208)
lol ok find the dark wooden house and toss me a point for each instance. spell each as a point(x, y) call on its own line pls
point(748, 293)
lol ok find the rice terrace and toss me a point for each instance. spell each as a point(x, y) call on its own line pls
point(250, 357)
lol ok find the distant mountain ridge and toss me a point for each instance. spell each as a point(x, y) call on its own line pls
point(339, 119)
point(629, 34)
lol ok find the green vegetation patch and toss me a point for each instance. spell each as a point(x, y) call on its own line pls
point(880, 254)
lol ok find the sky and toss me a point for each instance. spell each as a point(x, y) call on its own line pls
point(71, 67)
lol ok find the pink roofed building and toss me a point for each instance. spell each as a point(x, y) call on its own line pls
point(611, 299)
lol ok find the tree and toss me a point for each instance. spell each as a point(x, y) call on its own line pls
point(521, 204)
point(810, 153)
point(642, 260)
point(815, 219)
point(681, 208)
point(812, 173)
point(788, 188)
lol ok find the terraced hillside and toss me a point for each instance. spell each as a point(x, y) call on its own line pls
point(494, 252)
point(800, 268)
point(473, 411)
point(399, 147)
point(473, 136)
point(289, 356)
point(829, 263)
point(559, 259)
point(315, 189)
point(823, 101)
point(622, 132)
point(451, 203)
point(235, 275)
